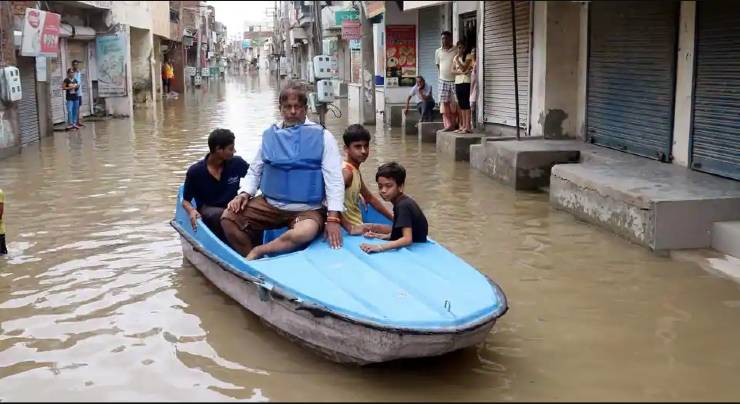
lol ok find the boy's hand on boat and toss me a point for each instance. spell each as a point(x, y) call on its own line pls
point(370, 234)
point(194, 216)
point(371, 248)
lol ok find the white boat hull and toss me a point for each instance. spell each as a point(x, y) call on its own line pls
point(336, 338)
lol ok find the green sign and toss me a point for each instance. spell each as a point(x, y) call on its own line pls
point(342, 15)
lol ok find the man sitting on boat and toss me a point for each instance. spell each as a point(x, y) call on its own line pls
point(297, 167)
point(214, 181)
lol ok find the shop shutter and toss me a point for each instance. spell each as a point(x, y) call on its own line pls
point(430, 39)
point(28, 115)
point(716, 127)
point(631, 76)
point(499, 104)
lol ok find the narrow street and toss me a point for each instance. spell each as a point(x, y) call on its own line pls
point(97, 303)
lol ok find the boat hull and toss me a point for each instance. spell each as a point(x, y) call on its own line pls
point(336, 338)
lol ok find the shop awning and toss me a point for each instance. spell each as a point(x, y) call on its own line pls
point(412, 5)
point(78, 32)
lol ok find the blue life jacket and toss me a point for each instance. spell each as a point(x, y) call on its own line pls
point(292, 170)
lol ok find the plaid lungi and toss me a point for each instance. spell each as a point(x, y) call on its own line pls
point(446, 91)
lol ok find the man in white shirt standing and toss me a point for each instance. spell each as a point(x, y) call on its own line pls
point(297, 167)
point(443, 59)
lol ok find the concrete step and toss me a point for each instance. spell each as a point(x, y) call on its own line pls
point(726, 237)
point(660, 206)
point(456, 146)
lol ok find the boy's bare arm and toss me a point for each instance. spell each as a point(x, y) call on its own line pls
point(404, 241)
point(375, 202)
point(347, 175)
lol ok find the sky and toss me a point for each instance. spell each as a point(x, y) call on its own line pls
point(234, 13)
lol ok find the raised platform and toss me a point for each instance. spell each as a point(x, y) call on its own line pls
point(524, 164)
point(456, 146)
point(657, 205)
point(726, 238)
point(427, 131)
point(409, 122)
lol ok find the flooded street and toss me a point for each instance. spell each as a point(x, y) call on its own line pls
point(97, 303)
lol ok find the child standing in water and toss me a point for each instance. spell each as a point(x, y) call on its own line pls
point(357, 146)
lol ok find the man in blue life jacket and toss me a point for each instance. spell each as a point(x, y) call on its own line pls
point(297, 167)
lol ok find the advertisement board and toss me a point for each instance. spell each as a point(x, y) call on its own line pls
point(400, 52)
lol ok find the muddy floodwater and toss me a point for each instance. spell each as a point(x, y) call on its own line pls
point(97, 303)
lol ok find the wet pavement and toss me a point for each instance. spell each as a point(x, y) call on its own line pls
point(97, 303)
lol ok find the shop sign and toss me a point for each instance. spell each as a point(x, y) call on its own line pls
point(351, 29)
point(40, 33)
point(400, 52)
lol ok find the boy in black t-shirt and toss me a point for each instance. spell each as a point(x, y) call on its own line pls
point(409, 223)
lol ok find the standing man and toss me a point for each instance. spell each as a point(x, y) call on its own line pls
point(78, 77)
point(443, 59)
point(213, 181)
point(297, 167)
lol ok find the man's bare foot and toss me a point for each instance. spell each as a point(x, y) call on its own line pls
point(255, 254)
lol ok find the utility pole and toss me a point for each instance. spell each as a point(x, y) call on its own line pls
point(367, 89)
point(196, 76)
point(318, 50)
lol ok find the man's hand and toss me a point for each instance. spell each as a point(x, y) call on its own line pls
point(333, 235)
point(405, 111)
point(371, 248)
point(238, 203)
point(194, 216)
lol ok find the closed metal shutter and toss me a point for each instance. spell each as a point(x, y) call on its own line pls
point(631, 76)
point(430, 39)
point(498, 62)
point(28, 114)
point(716, 129)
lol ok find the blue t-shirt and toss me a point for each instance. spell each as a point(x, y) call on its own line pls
point(202, 186)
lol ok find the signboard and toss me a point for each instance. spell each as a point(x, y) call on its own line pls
point(355, 44)
point(245, 43)
point(400, 52)
point(205, 72)
point(351, 29)
point(189, 71)
point(110, 55)
point(341, 15)
point(355, 62)
point(40, 33)
point(41, 68)
point(373, 8)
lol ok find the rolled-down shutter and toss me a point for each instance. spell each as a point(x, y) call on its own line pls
point(28, 114)
point(498, 62)
point(631, 76)
point(429, 40)
point(716, 130)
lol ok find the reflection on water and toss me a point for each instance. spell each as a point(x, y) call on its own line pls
point(96, 301)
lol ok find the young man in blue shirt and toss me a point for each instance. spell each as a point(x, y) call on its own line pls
point(214, 181)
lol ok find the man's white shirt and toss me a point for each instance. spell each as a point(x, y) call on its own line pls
point(331, 169)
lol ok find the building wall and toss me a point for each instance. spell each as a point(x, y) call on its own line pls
point(141, 70)
point(684, 84)
point(137, 14)
point(160, 11)
point(558, 69)
point(458, 8)
point(9, 130)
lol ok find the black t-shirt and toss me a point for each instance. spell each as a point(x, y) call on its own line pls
point(206, 190)
point(406, 213)
point(71, 94)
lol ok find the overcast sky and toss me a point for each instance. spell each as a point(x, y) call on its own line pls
point(234, 13)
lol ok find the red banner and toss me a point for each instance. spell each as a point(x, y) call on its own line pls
point(40, 33)
point(351, 29)
point(400, 52)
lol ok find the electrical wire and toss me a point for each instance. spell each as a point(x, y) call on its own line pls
point(334, 110)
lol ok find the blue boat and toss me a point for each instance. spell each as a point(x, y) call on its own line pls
point(351, 306)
